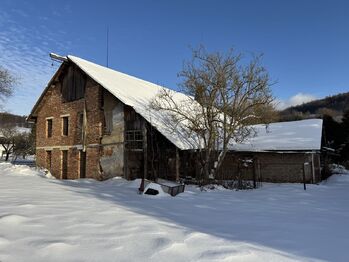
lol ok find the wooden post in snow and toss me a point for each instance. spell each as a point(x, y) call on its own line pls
point(313, 168)
point(259, 173)
point(254, 173)
point(84, 128)
point(125, 156)
point(304, 183)
point(145, 156)
point(177, 165)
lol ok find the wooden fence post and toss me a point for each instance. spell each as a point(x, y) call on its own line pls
point(304, 184)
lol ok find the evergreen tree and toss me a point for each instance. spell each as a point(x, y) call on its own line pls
point(333, 134)
point(345, 130)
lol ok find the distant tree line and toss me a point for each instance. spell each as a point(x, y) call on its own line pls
point(7, 119)
point(334, 110)
point(333, 106)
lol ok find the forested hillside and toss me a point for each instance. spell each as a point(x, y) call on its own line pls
point(333, 106)
point(334, 110)
point(11, 119)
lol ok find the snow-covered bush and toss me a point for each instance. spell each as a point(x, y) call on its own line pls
point(338, 169)
point(228, 184)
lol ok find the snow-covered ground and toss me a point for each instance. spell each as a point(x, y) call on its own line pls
point(44, 219)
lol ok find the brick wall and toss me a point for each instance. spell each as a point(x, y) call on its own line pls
point(52, 106)
point(273, 167)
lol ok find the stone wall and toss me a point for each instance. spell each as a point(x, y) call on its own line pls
point(112, 157)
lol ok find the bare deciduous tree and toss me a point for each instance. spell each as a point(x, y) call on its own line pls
point(6, 83)
point(24, 144)
point(7, 139)
point(225, 96)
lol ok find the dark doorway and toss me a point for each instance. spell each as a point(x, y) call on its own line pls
point(82, 164)
point(64, 164)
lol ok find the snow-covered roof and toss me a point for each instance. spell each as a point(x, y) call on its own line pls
point(283, 136)
point(138, 94)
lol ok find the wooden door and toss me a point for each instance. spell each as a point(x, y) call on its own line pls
point(82, 164)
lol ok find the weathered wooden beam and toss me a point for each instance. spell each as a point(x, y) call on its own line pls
point(177, 164)
point(125, 161)
point(145, 150)
point(126, 176)
point(185, 168)
point(254, 174)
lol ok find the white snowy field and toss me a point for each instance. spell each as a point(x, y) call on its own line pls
point(43, 219)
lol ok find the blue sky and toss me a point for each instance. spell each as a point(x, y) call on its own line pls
point(305, 43)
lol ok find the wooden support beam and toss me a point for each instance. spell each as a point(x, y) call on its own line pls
point(125, 152)
point(254, 174)
point(260, 179)
point(185, 168)
point(145, 150)
point(177, 165)
point(304, 179)
point(313, 168)
point(125, 162)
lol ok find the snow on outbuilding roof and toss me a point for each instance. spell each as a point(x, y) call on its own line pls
point(138, 94)
point(300, 135)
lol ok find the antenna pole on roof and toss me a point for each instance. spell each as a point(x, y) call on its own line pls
point(58, 58)
point(107, 46)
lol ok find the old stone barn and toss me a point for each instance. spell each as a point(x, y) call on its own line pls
point(94, 122)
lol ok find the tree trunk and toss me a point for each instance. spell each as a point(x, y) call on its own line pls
point(7, 156)
point(207, 165)
point(218, 163)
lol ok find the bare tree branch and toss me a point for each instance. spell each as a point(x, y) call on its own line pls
point(7, 81)
point(225, 97)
